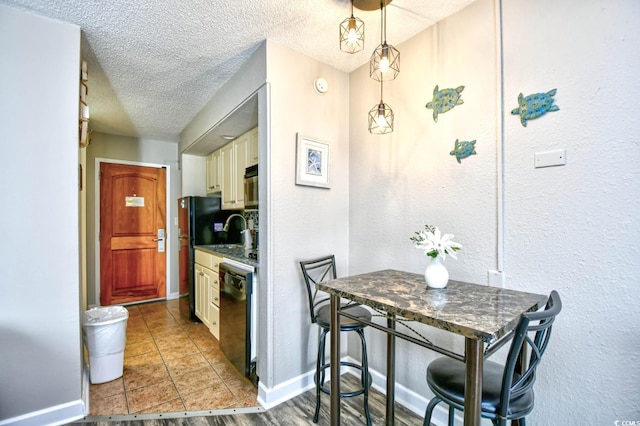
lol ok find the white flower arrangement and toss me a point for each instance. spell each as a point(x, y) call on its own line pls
point(434, 243)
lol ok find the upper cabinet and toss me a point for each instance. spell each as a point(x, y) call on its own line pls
point(252, 147)
point(233, 158)
point(213, 173)
point(226, 167)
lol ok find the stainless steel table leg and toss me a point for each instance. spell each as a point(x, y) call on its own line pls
point(334, 333)
point(391, 370)
point(473, 382)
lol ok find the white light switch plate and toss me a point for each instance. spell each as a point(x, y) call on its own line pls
point(551, 158)
point(496, 278)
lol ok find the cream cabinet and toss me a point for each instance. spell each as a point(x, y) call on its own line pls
point(213, 173)
point(233, 160)
point(252, 147)
point(208, 290)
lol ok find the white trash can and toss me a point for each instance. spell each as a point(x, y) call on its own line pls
point(105, 335)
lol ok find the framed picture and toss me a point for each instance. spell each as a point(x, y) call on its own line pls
point(312, 162)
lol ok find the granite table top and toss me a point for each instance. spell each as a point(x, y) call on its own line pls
point(475, 311)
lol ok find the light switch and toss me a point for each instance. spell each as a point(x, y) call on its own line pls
point(550, 158)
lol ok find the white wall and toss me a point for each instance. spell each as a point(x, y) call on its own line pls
point(576, 228)
point(143, 151)
point(571, 228)
point(40, 340)
point(401, 181)
point(304, 222)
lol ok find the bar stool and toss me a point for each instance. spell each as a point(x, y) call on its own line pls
point(507, 393)
point(323, 269)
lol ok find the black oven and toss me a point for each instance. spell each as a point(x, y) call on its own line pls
point(251, 187)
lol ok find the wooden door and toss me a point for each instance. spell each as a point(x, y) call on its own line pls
point(132, 211)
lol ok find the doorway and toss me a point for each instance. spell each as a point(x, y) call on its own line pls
point(132, 237)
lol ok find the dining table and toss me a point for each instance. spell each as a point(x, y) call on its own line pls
point(484, 315)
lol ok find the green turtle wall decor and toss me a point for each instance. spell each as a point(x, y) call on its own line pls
point(463, 149)
point(534, 106)
point(444, 100)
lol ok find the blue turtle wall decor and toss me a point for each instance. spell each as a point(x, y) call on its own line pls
point(444, 100)
point(534, 106)
point(463, 149)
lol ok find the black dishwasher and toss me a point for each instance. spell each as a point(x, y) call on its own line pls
point(236, 285)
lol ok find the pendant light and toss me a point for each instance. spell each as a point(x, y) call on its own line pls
point(352, 34)
point(385, 60)
point(381, 117)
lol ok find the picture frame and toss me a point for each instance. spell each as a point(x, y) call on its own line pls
point(312, 162)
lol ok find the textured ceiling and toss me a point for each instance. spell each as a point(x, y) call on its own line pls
point(154, 64)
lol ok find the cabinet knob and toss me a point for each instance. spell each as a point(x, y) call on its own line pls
point(216, 299)
point(213, 323)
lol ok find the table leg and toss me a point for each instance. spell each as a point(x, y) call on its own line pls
point(391, 370)
point(473, 382)
point(334, 333)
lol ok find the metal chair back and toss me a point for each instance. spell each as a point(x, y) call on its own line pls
point(315, 271)
point(534, 331)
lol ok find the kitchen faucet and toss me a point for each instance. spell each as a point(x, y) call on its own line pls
point(246, 233)
point(226, 224)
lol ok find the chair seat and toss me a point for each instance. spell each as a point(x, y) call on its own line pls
point(346, 324)
point(446, 378)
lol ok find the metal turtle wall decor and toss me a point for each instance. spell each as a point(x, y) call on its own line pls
point(445, 100)
point(463, 149)
point(534, 106)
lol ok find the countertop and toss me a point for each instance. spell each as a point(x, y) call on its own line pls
point(230, 251)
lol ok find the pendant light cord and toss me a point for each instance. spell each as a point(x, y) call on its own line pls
point(383, 24)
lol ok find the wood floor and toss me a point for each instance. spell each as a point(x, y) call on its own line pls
point(298, 411)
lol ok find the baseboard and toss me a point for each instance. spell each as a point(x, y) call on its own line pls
point(57, 415)
point(270, 397)
point(172, 296)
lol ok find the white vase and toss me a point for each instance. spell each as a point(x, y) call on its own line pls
point(436, 274)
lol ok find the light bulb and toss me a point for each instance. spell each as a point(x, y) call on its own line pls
point(384, 59)
point(384, 64)
point(382, 120)
point(353, 34)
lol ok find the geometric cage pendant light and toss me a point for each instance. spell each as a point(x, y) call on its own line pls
point(384, 64)
point(352, 34)
point(381, 117)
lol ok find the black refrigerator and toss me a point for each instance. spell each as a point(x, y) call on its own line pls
point(200, 222)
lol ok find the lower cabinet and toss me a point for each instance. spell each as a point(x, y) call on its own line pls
point(208, 290)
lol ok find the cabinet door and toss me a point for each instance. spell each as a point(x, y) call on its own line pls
point(200, 292)
point(206, 283)
point(240, 148)
point(252, 148)
point(213, 172)
point(214, 307)
point(227, 175)
point(214, 328)
point(215, 179)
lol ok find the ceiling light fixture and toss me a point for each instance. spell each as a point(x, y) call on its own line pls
point(352, 34)
point(381, 117)
point(385, 60)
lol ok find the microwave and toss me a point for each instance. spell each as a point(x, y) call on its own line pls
point(251, 187)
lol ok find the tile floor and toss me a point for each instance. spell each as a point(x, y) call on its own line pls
point(170, 365)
